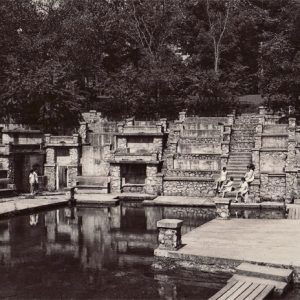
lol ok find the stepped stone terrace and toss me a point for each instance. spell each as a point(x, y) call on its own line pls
point(183, 157)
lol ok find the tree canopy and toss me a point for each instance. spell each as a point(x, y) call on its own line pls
point(144, 58)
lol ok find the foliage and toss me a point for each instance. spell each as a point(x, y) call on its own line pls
point(145, 58)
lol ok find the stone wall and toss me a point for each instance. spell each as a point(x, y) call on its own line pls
point(115, 178)
point(197, 162)
point(274, 141)
point(153, 182)
point(272, 161)
point(273, 187)
point(188, 187)
point(50, 174)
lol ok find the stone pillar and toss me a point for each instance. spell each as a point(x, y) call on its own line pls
point(74, 156)
point(164, 124)
point(225, 149)
point(159, 128)
point(169, 236)
point(256, 161)
point(170, 161)
point(182, 116)
point(130, 121)
point(230, 119)
point(262, 110)
point(83, 132)
point(6, 139)
point(50, 166)
point(50, 173)
point(292, 128)
point(75, 138)
point(115, 178)
point(151, 180)
point(50, 155)
point(291, 163)
point(120, 127)
point(72, 175)
point(73, 168)
point(121, 142)
point(223, 209)
point(157, 146)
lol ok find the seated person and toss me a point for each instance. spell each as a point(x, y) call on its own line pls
point(249, 176)
point(221, 180)
point(243, 191)
point(228, 187)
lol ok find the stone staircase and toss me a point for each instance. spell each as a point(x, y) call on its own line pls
point(237, 165)
point(242, 136)
point(241, 145)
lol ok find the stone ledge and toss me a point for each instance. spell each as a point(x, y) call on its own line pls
point(189, 179)
point(63, 145)
point(160, 134)
point(275, 174)
point(273, 150)
point(274, 135)
point(169, 223)
point(144, 162)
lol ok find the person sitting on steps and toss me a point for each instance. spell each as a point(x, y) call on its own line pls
point(243, 191)
point(228, 187)
point(221, 180)
point(249, 176)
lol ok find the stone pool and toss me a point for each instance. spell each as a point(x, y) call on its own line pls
point(93, 253)
point(98, 253)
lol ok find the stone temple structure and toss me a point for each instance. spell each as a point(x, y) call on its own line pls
point(182, 157)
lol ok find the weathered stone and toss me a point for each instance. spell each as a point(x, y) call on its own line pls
point(169, 236)
point(223, 208)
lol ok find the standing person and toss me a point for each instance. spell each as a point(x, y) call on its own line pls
point(32, 181)
point(243, 191)
point(36, 181)
point(221, 180)
point(228, 187)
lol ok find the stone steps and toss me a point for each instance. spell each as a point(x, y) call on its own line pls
point(270, 273)
point(239, 168)
point(237, 149)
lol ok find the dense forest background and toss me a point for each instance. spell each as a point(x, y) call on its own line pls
point(148, 58)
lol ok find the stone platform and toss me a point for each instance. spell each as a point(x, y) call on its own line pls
point(224, 244)
point(96, 199)
point(18, 205)
point(181, 201)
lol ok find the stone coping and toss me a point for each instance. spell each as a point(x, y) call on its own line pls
point(273, 150)
point(62, 145)
point(133, 154)
point(160, 134)
point(169, 223)
point(274, 174)
point(133, 184)
point(29, 131)
point(274, 134)
point(189, 179)
point(143, 162)
point(178, 155)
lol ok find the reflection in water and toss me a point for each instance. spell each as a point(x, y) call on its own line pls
point(33, 219)
point(90, 253)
